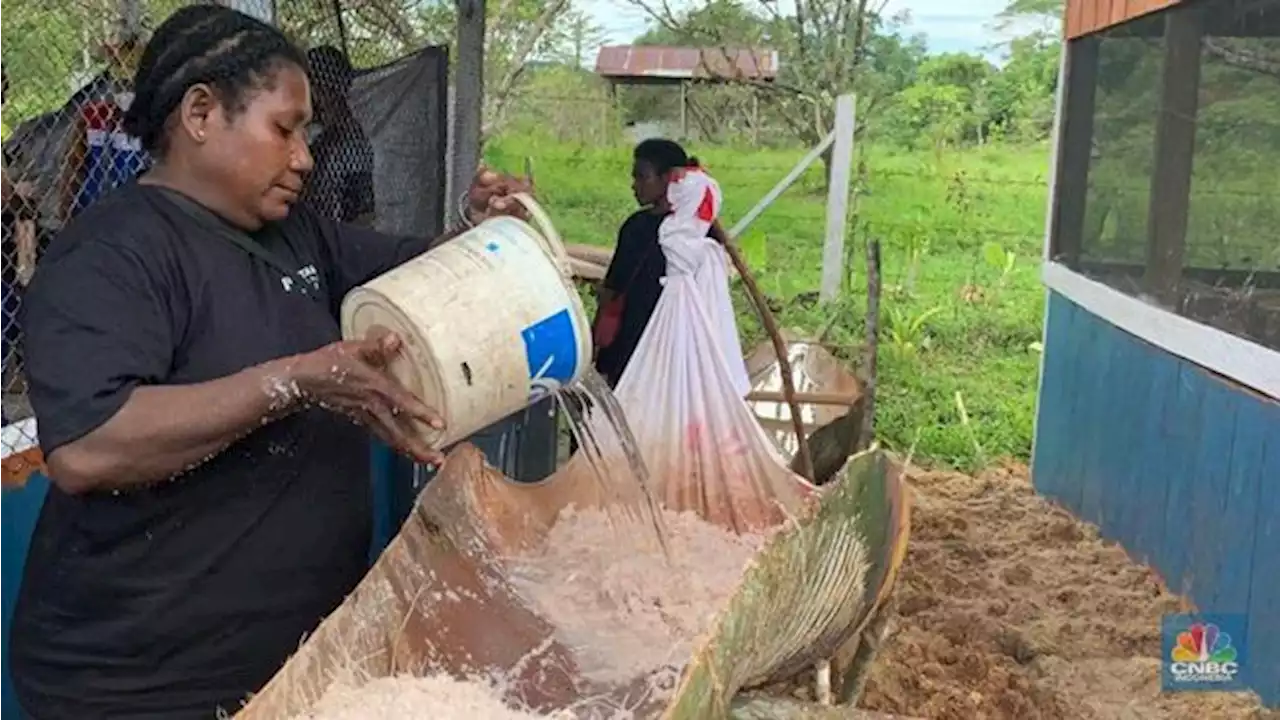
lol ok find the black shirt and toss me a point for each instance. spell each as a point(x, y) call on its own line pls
point(636, 270)
point(172, 600)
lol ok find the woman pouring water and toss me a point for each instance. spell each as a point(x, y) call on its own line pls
point(204, 428)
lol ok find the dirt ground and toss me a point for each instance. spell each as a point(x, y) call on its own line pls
point(1010, 608)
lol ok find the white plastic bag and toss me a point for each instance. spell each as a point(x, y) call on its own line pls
point(683, 390)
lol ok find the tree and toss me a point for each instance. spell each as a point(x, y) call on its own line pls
point(1020, 97)
point(573, 37)
point(827, 46)
point(1043, 15)
point(48, 47)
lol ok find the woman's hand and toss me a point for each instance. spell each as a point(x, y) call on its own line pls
point(490, 195)
point(351, 378)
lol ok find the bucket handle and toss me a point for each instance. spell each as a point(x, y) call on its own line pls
point(542, 224)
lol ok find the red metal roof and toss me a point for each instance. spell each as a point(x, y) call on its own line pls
point(684, 63)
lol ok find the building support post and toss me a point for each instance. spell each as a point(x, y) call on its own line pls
point(1174, 154)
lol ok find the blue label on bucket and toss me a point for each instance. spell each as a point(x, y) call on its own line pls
point(551, 347)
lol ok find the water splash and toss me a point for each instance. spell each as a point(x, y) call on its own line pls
point(596, 419)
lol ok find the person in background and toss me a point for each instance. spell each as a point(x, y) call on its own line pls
point(341, 186)
point(205, 428)
point(634, 277)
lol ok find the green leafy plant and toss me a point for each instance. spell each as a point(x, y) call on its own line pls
point(906, 332)
point(999, 259)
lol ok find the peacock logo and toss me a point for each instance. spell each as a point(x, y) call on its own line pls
point(1203, 642)
point(1203, 653)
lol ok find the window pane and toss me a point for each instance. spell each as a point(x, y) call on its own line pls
point(1178, 113)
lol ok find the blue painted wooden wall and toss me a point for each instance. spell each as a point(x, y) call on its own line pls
point(1178, 465)
point(19, 511)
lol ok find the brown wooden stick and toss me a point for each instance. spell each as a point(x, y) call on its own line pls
point(867, 434)
point(807, 398)
point(784, 363)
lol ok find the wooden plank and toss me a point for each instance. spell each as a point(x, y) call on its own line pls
point(1083, 17)
point(1123, 502)
point(1075, 370)
point(1138, 8)
point(1074, 19)
point(1264, 597)
point(786, 426)
point(1152, 468)
point(1182, 428)
point(1234, 551)
point(1070, 400)
point(585, 270)
point(1085, 340)
point(1089, 16)
point(589, 253)
point(1119, 8)
point(1121, 518)
point(1052, 436)
point(1108, 381)
point(1210, 475)
point(804, 398)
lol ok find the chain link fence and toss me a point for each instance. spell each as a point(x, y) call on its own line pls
point(378, 138)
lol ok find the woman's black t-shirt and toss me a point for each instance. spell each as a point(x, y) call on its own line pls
point(636, 270)
point(181, 598)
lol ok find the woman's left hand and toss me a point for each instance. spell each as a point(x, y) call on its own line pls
point(491, 195)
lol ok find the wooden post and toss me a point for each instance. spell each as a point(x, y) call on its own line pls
point(684, 110)
point(1071, 180)
point(838, 199)
point(130, 19)
point(468, 101)
point(264, 10)
point(613, 114)
point(1175, 150)
point(755, 119)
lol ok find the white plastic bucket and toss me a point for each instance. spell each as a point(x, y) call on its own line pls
point(490, 320)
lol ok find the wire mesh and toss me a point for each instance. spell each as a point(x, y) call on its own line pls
point(1171, 138)
point(378, 136)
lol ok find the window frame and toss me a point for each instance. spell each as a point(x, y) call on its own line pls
point(1239, 359)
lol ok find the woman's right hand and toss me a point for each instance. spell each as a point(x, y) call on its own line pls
point(350, 377)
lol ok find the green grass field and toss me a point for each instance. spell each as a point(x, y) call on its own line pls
point(962, 306)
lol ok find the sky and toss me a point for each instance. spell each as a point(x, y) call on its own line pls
point(951, 25)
